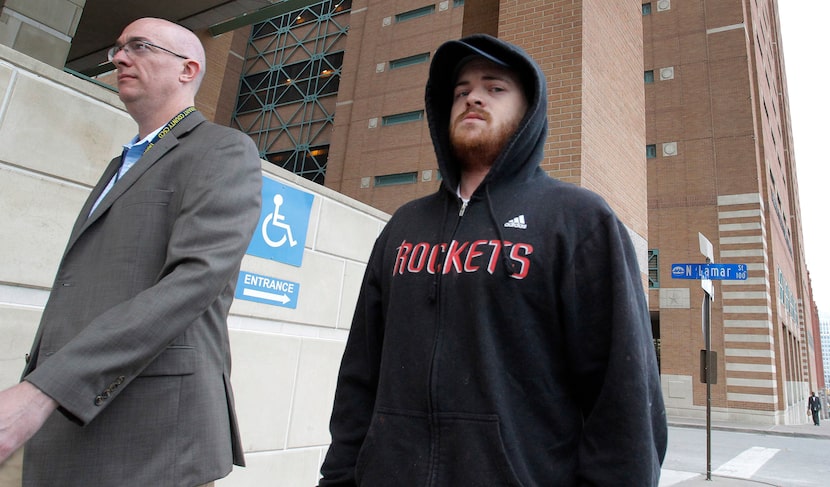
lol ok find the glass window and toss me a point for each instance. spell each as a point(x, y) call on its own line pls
point(648, 76)
point(651, 151)
point(409, 61)
point(647, 9)
point(395, 179)
point(414, 14)
point(403, 117)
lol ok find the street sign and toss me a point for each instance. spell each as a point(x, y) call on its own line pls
point(715, 272)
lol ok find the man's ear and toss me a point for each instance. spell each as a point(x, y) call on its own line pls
point(190, 71)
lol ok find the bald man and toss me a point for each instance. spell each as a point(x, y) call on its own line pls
point(128, 379)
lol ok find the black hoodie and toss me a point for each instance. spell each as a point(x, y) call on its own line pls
point(505, 344)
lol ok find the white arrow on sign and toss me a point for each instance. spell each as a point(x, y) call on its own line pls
point(280, 298)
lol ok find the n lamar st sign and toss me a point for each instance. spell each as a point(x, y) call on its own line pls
point(719, 272)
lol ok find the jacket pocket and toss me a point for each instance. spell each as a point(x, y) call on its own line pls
point(174, 360)
point(472, 453)
point(395, 451)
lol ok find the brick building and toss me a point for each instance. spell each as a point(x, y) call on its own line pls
point(720, 163)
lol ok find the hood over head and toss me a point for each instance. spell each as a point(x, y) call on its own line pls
point(524, 150)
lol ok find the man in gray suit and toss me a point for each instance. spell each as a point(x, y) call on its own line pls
point(132, 349)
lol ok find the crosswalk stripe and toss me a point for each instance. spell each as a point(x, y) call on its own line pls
point(747, 463)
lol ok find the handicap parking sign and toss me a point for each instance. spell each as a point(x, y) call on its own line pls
point(283, 224)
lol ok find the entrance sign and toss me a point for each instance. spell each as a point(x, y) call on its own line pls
point(283, 223)
point(267, 290)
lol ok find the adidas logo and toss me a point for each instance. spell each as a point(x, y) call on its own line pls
point(518, 222)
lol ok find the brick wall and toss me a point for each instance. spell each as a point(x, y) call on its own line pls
point(370, 90)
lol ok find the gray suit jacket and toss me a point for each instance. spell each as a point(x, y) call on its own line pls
point(133, 342)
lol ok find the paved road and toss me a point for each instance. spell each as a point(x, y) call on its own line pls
point(767, 456)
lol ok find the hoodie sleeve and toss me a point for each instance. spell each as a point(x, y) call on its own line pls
point(613, 358)
point(357, 381)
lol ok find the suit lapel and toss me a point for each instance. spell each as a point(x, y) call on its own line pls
point(159, 149)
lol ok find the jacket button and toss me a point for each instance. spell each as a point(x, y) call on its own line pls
point(99, 400)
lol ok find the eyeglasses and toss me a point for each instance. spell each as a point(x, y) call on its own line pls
point(138, 48)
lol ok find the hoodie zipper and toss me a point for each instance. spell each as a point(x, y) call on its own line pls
point(463, 209)
point(433, 384)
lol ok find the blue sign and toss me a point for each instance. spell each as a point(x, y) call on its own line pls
point(715, 272)
point(267, 290)
point(283, 223)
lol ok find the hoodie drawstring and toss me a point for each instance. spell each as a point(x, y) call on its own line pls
point(433, 293)
point(509, 265)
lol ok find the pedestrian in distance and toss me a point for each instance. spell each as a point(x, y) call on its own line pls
point(128, 379)
point(814, 408)
point(501, 335)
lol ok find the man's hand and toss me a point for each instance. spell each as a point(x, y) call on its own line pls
point(23, 410)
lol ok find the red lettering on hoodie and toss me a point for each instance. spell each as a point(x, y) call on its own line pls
point(418, 257)
point(437, 251)
point(472, 255)
point(494, 257)
point(454, 258)
point(525, 250)
point(400, 260)
point(461, 257)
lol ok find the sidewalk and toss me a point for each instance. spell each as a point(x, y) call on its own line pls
point(800, 430)
point(700, 481)
point(807, 430)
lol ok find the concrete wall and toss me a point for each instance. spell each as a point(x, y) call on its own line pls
point(56, 135)
point(42, 29)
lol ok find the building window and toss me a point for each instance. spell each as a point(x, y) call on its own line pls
point(647, 8)
point(396, 179)
point(651, 151)
point(653, 269)
point(648, 76)
point(403, 118)
point(414, 14)
point(458, 3)
point(409, 61)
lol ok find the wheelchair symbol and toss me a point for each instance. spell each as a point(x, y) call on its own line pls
point(276, 220)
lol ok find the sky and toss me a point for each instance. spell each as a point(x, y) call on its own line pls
point(805, 35)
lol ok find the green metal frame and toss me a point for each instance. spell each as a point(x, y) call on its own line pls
point(289, 82)
point(653, 268)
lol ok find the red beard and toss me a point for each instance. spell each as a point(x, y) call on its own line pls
point(478, 149)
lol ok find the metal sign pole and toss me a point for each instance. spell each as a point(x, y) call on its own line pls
point(708, 295)
point(706, 273)
point(707, 336)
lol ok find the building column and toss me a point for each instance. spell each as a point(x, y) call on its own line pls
point(42, 29)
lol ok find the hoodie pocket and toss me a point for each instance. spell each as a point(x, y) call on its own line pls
point(468, 451)
point(472, 453)
point(395, 451)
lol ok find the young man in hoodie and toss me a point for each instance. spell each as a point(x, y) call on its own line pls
point(501, 336)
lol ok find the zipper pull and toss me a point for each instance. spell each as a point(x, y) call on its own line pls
point(463, 208)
